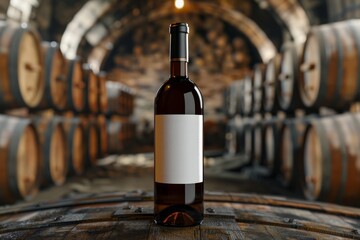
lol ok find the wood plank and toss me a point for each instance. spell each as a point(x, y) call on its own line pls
point(57, 233)
point(289, 233)
point(216, 196)
point(132, 229)
point(271, 219)
point(254, 231)
point(173, 233)
point(220, 228)
point(97, 230)
point(18, 235)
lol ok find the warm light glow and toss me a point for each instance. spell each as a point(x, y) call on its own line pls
point(179, 4)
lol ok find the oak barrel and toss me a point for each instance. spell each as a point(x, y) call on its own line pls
point(54, 77)
point(102, 98)
point(246, 97)
point(330, 72)
point(272, 72)
point(22, 84)
point(271, 145)
point(331, 156)
point(128, 101)
point(291, 174)
point(232, 98)
point(114, 98)
point(249, 140)
point(129, 215)
point(235, 138)
point(258, 95)
point(91, 141)
point(91, 90)
point(75, 140)
point(120, 99)
point(288, 85)
point(118, 134)
point(75, 85)
point(19, 159)
point(53, 164)
point(258, 143)
point(102, 135)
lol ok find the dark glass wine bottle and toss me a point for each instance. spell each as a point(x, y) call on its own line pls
point(179, 120)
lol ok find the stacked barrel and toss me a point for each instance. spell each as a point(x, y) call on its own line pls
point(287, 115)
point(121, 131)
point(57, 114)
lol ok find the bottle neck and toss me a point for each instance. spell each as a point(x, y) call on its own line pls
point(179, 69)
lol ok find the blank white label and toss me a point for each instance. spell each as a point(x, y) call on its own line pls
point(179, 149)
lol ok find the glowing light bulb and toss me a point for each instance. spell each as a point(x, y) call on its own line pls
point(179, 4)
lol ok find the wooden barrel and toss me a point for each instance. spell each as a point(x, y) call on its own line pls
point(54, 77)
point(291, 174)
point(232, 98)
point(91, 90)
point(22, 84)
point(258, 144)
point(331, 156)
point(270, 85)
point(75, 85)
point(271, 145)
point(288, 85)
point(120, 99)
point(102, 98)
point(130, 139)
point(53, 164)
point(235, 137)
point(91, 141)
point(227, 215)
point(329, 75)
point(102, 135)
point(114, 97)
point(117, 134)
point(258, 95)
point(19, 159)
point(246, 97)
point(128, 101)
point(131, 102)
point(75, 141)
point(249, 141)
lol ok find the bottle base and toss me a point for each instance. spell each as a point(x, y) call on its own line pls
point(179, 216)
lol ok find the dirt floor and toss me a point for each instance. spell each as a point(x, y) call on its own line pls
point(135, 173)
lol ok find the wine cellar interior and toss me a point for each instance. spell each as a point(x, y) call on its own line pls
point(280, 81)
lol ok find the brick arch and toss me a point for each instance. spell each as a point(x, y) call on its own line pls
point(291, 13)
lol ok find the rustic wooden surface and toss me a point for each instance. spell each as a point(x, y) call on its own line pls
point(129, 215)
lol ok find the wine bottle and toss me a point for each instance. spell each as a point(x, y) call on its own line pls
point(179, 121)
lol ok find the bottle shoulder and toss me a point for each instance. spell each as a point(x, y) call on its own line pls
point(179, 86)
point(179, 93)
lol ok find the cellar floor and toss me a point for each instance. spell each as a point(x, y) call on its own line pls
point(135, 173)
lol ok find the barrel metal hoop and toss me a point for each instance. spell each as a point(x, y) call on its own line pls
point(2, 126)
point(73, 126)
point(2, 30)
point(356, 34)
point(50, 130)
point(323, 69)
point(295, 78)
point(13, 147)
point(49, 58)
point(295, 153)
point(344, 161)
point(326, 168)
point(13, 71)
point(69, 85)
point(340, 72)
